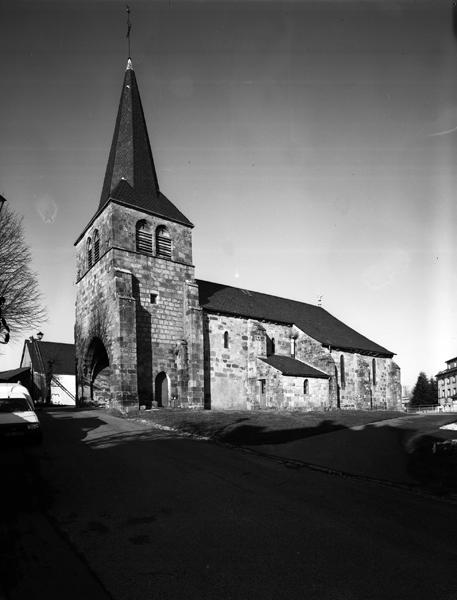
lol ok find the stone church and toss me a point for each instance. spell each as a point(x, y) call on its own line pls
point(148, 333)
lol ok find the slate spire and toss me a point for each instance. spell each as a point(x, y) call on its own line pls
point(130, 174)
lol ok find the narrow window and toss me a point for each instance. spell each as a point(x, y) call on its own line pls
point(262, 386)
point(89, 252)
point(373, 368)
point(226, 339)
point(163, 242)
point(273, 347)
point(143, 237)
point(292, 347)
point(342, 372)
point(153, 298)
point(305, 387)
point(96, 246)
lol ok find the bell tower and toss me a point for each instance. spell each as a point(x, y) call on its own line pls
point(138, 327)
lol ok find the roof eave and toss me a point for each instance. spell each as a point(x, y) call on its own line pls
point(317, 375)
point(365, 352)
point(235, 314)
point(127, 205)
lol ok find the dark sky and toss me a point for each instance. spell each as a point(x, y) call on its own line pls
point(312, 144)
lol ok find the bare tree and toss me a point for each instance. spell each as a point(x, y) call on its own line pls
point(23, 308)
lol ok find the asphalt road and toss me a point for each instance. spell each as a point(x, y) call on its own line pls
point(148, 514)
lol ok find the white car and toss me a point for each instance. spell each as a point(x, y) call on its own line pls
point(18, 419)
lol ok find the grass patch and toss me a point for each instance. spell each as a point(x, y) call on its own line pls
point(261, 427)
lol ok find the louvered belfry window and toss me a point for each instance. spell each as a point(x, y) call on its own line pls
point(89, 252)
point(96, 246)
point(163, 242)
point(143, 237)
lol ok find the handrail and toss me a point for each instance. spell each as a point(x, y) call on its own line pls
point(37, 349)
point(60, 384)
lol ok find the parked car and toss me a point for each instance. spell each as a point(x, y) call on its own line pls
point(18, 419)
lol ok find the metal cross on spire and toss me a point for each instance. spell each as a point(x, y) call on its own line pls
point(129, 27)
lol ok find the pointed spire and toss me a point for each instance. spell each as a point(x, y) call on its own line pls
point(130, 173)
point(130, 157)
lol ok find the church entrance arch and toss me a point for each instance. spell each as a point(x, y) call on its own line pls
point(161, 389)
point(98, 372)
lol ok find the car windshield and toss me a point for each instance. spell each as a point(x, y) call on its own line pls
point(14, 405)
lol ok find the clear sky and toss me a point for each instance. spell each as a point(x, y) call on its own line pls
point(312, 144)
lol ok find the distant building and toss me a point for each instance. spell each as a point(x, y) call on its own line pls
point(447, 384)
point(405, 397)
point(52, 371)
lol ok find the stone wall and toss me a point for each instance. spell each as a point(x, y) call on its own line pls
point(123, 233)
point(287, 392)
point(233, 374)
point(104, 322)
point(366, 386)
point(102, 224)
point(149, 306)
point(226, 368)
point(313, 353)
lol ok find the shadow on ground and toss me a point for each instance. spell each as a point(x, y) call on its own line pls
point(381, 451)
point(24, 491)
point(254, 435)
point(436, 473)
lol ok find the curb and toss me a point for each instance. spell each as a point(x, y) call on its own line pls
point(293, 463)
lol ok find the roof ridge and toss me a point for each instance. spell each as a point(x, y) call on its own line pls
point(262, 294)
point(313, 320)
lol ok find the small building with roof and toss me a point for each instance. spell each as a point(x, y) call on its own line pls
point(52, 371)
point(147, 332)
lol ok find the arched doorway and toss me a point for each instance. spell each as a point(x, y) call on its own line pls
point(161, 389)
point(98, 372)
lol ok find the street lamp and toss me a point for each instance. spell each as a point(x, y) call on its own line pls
point(2, 202)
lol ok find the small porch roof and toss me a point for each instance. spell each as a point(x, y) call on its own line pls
point(293, 367)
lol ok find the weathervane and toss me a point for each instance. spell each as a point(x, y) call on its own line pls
point(129, 27)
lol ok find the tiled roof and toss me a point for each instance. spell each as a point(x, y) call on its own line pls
point(13, 374)
point(293, 367)
point(156, 204)
point(130, 173)
point(130, 177)
point(313, 320)
point(447, 372)
point(61, 356)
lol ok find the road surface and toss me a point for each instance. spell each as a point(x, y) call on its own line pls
point(149, 514)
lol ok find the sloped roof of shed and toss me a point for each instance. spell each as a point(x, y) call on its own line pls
point(313, 320)
point(13, 374)
point(60, 355)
